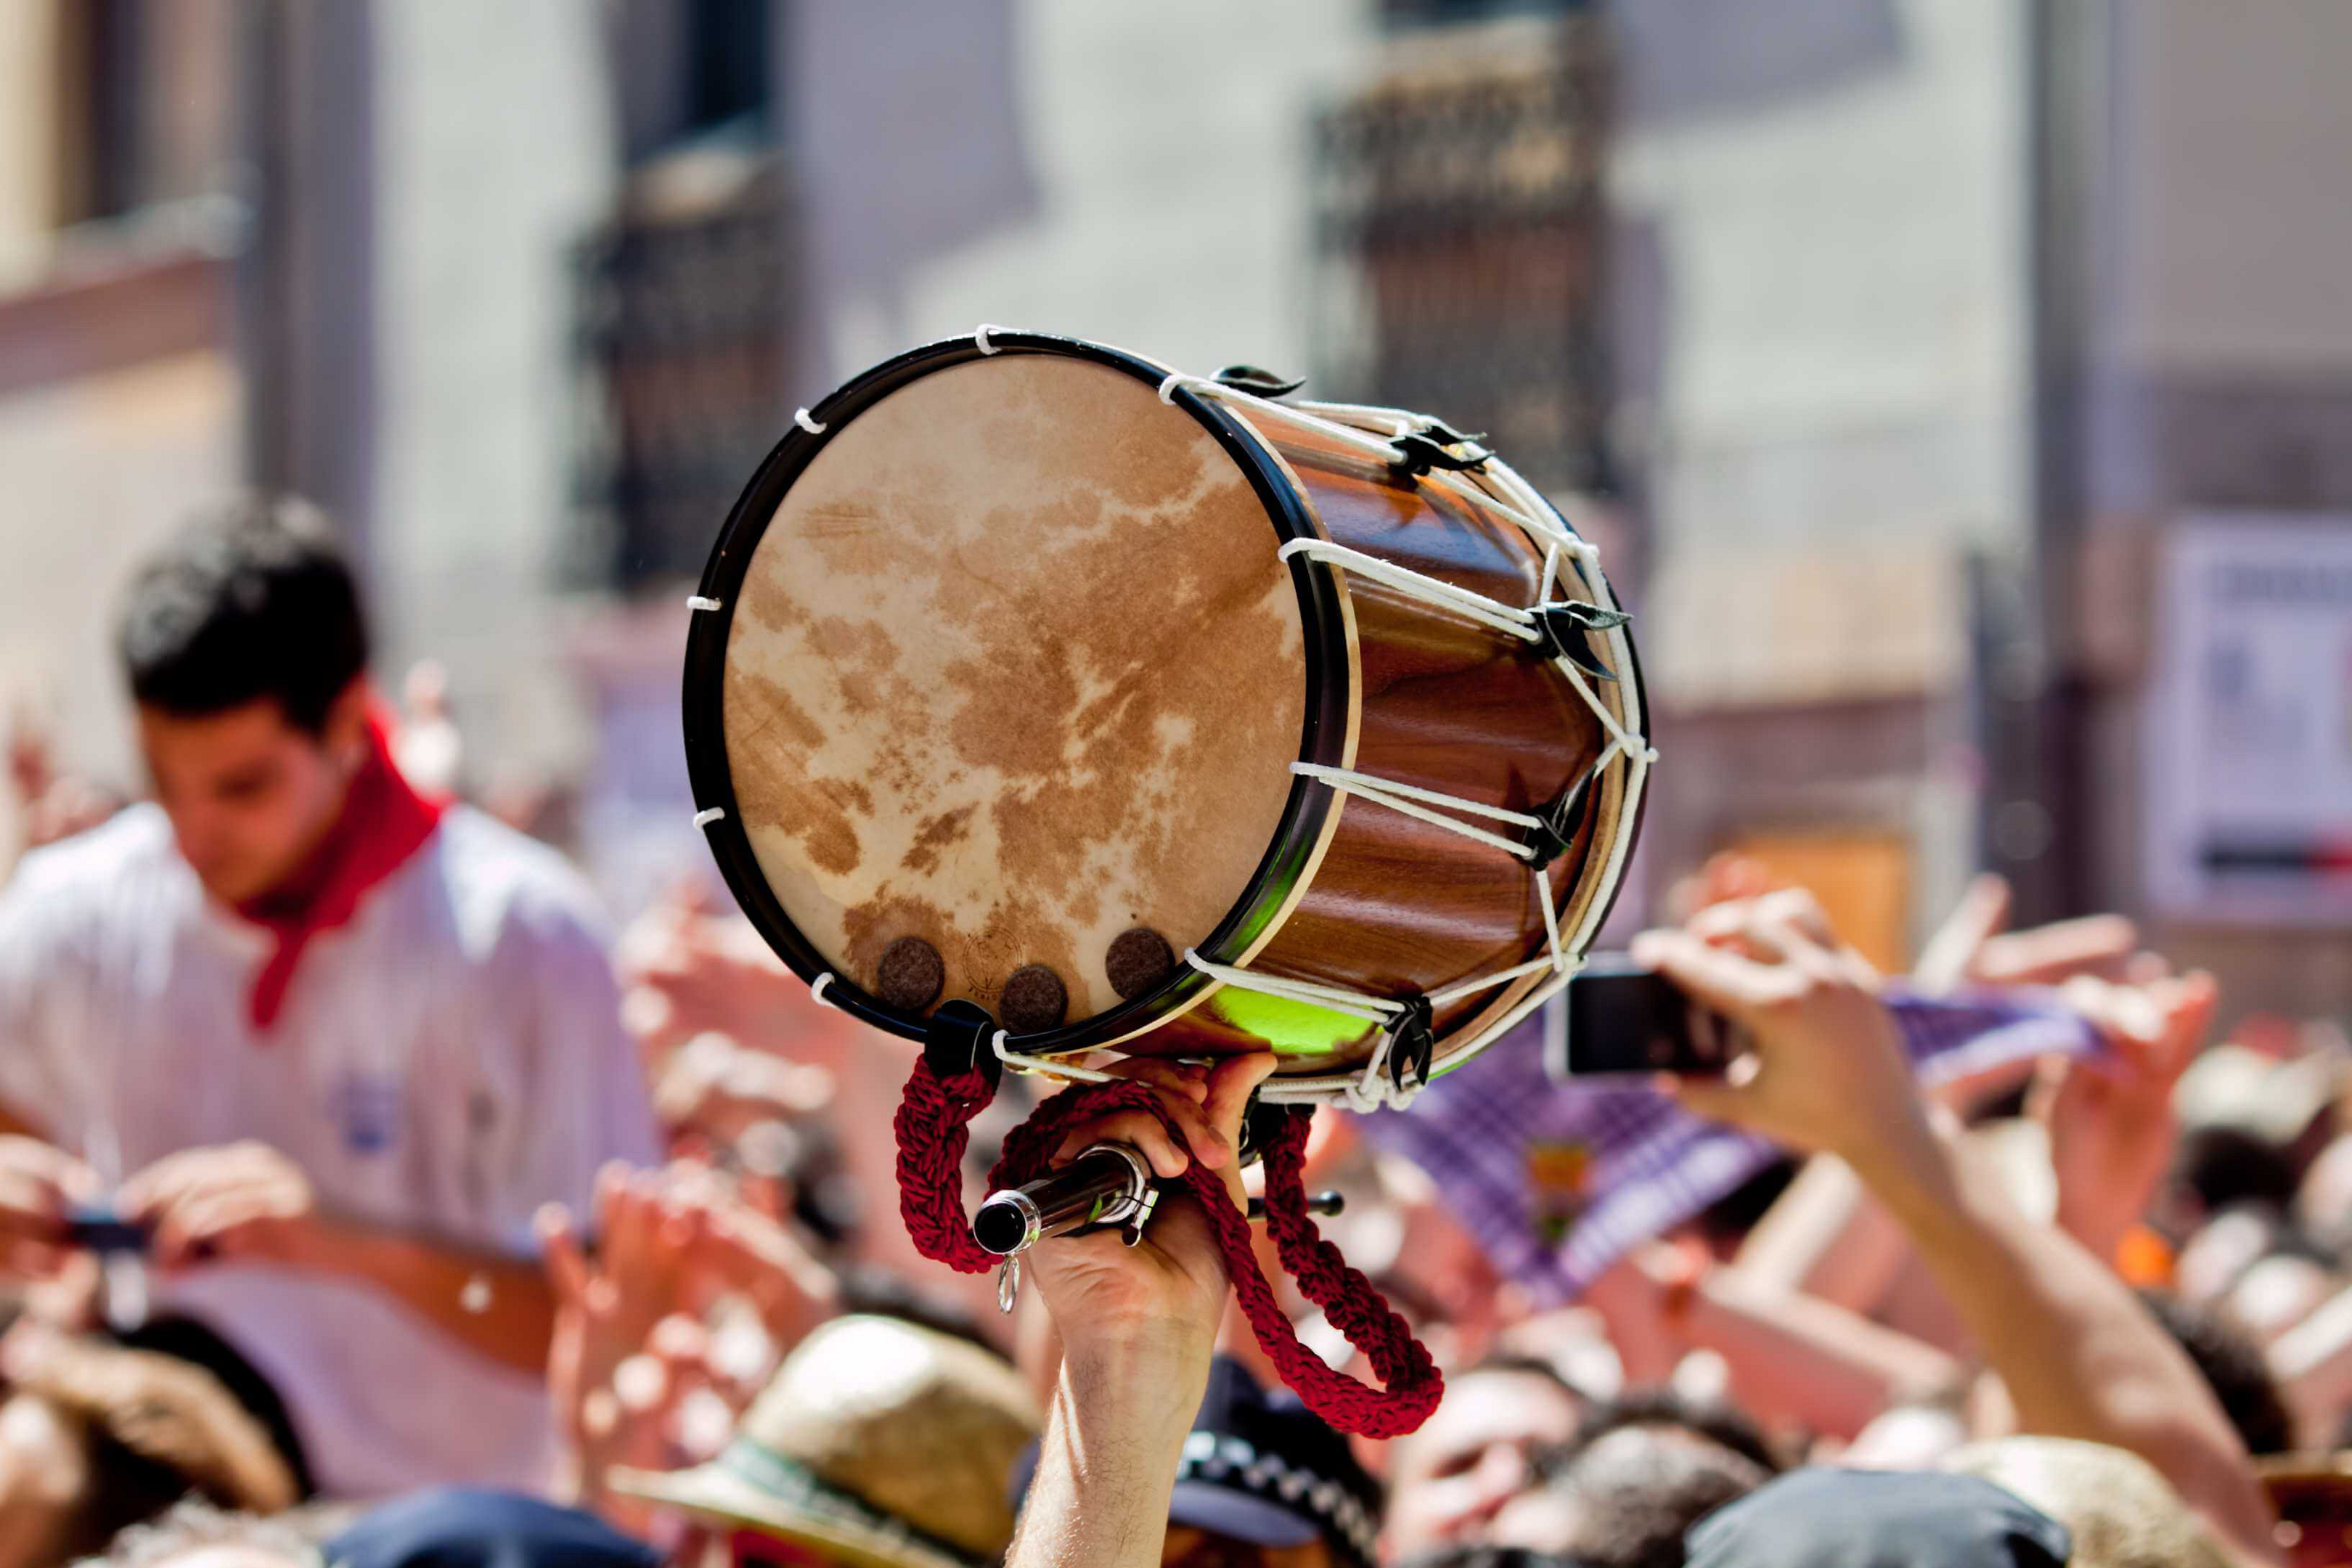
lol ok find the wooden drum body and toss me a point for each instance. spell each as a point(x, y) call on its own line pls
point(1153, 715)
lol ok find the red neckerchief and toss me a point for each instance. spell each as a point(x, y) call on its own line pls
point(383, 821)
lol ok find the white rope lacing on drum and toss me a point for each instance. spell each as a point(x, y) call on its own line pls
point(980, 337)
point(1528, 511)
point(1509, 619)
point(1045, 1067)
point(1373, 1087)
point(816, 989)
point(1400, 798)
point(802, 417)
point(709, 815)
point(702, 602)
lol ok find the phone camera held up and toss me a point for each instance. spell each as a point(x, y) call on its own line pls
point(1623, 1019)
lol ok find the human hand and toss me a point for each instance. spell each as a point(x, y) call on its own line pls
point(606, 1310)
point(2110, 1118)
point(1825, 1069)
point(241, 1201)
point(686, 972)
point(39, 1184)
point(1973, 947)
point(1167, 1291)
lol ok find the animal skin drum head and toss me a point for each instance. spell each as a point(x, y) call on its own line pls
point(1014, 672)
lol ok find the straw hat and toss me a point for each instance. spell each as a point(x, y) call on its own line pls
point(882, 1443)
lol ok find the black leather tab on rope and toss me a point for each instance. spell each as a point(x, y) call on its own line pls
point(956, 1041)
point(1433, 447)
point(1558, 833)
point(1257, 380)
point(1413, 1041)
point(1563, 627)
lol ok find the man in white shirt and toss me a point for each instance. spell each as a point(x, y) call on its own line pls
point(329, 1041)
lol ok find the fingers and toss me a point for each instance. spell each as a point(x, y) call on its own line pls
point(1230, 1084)
point(2092, 944)
point(565, 1261)
point(1788, 926)
point(1139, 1128)
point(1182, 1090)
point(1950, 955)
point(1730, 983)
point(1721, 1098)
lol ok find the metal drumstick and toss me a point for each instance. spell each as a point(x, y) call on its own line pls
point(1107, 1184)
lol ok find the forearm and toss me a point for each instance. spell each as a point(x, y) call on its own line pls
point(2312, 1364)
point(1107, 1465)
point(2078, 1355)
point(1793, 1357)
point(499, 1306)
point(1828, 1238)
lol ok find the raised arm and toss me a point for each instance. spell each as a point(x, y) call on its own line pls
point(2079, 1355)
point(1137, 1327)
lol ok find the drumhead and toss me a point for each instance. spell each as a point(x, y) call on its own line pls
point(1003, 660)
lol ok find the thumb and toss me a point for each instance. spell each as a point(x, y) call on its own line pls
point(1710, 1099)
point(1981, 913)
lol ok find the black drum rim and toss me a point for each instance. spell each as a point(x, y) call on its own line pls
point(1306, 809)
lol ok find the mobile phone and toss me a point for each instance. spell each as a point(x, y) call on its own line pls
point(1623, 1018)
point(101, 1230)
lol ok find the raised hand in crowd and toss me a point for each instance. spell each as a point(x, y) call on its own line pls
point(1975, 947)
point(2077, 1354)
point(631, 1344)
point(39, 1185)
point(1137, 1325)
point(2110, 1119)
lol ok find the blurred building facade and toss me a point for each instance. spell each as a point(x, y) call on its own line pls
point(1890, 346)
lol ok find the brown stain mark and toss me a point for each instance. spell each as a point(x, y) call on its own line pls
point(936, 833)
point(768, 736)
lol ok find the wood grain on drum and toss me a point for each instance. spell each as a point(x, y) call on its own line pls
point(1397, 906)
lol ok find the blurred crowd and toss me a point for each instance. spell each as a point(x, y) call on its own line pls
point(2091, 1310)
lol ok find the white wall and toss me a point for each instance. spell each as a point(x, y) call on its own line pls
point(494, 156)
point(1165, 166)
point(1840, 357)
point(2236, 188)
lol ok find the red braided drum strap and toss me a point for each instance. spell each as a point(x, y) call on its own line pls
point(933, 1130)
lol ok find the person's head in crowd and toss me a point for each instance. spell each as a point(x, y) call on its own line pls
point(2118, 1510)
point(198, 1535)
point(1264, 1483)
point(1642, 1471)
point(2233, 1366)
point(2278, 1291)
point(1871, 1519)
point(878, 1443)
point(1913, 1436)
point(1488, 1557)
point(2222, 1249)
point(1476, 1452)
point(466, 1527)
point(2323, 1201)
point(245, 652)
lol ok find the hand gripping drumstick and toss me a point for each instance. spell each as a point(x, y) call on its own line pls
point(1106, 1184)
point(956, 1079)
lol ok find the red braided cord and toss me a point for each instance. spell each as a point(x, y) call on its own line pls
point(932, 1127)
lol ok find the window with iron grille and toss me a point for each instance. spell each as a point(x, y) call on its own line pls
point(682, 334)
point(1459, 238)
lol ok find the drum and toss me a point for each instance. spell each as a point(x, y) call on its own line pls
point(1162, 714)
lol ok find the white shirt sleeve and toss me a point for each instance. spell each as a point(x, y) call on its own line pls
point(40, 969)
point(588, 1102)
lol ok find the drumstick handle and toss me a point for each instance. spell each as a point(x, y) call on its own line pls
point(1105, 1185)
